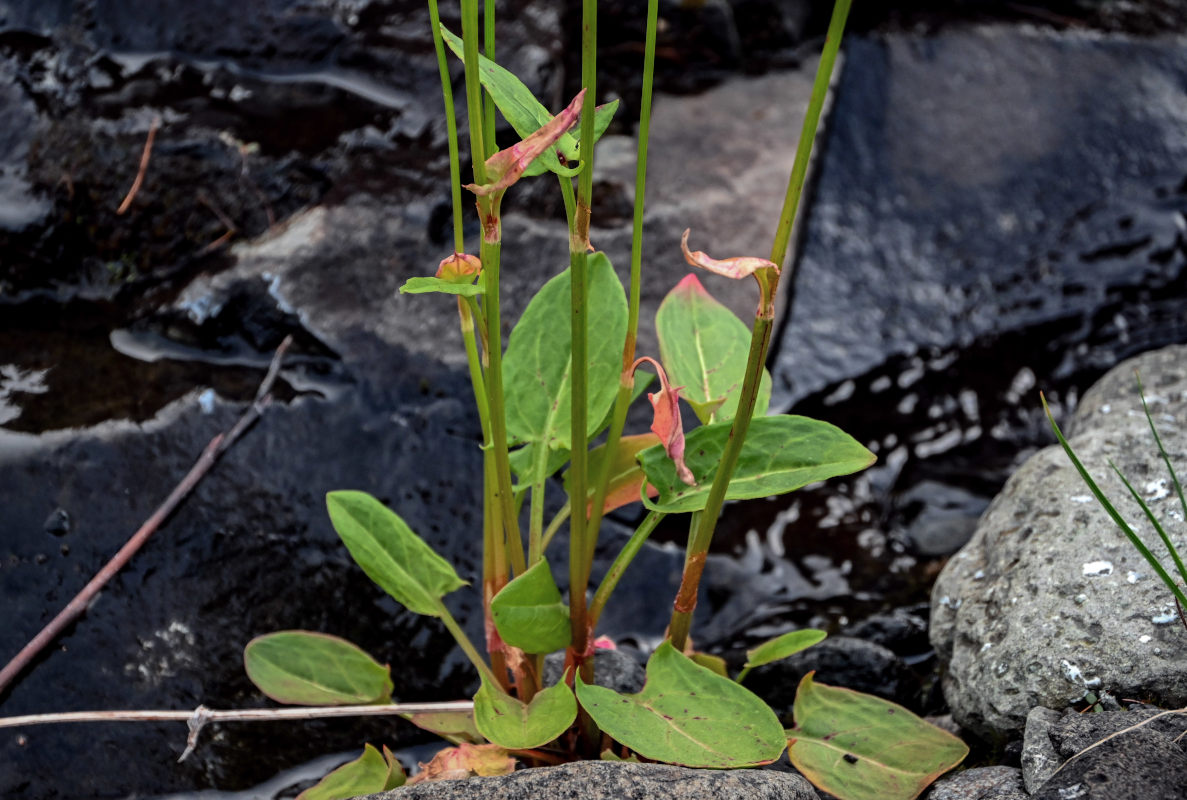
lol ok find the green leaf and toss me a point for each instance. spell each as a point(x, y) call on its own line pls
point(625, 481)
point(860, 747)
point(711, 662)
point(517, 726)
point(529, 614)
point(704, 348)
point(523, 462)
point(369, 773)
point(688, 715)
point(781, 454)
point(421, 285)
point(780, 648)
point(537, 364)
point(526, 114)
point(390, 553)
point(453, 725)
point(315, 669)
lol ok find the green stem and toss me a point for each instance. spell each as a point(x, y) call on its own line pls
point(621, 562)
point(467, 646)
point(702, 536)
point(626, 382)
point(455, 183)
point(488, 117)
point(505, 498)
point(555, 525)
point(474, 95)
point(536, 525)
point(579, 562)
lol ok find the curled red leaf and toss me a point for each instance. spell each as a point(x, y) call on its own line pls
point(507, 166)
point(738, 267)
point(666, 423)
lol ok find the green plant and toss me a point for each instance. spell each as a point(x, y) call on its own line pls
point(541, 401)
point(1110, 509)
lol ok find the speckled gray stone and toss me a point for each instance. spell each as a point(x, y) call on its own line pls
point(980, 783)
point(1049, 600)
point(602, 780)
point(1039, 758)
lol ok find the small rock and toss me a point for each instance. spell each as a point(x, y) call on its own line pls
point(603, 780)
point(1039, 758)
point(980, 783)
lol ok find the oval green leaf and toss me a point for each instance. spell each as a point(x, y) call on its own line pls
point(704, 348)
point(688, 715)
point(506, 721)
point(529, 614)
point(315, 669)
point(389, 552)
point(537, 367)
point(860, 747)
point(781, 454)
point(783, 646)
point(421, 285)
point(369, 773)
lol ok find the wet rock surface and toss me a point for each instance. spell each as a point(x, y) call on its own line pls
point(600, 780)
point(1049, 601)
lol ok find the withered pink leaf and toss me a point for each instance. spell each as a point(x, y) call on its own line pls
point(459, 268)
point(666, 423)
point(507, 166)
point(465, 760)
point(738, 267)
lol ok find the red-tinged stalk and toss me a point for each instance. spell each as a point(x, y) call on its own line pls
point(626, 383)
point(768, 278)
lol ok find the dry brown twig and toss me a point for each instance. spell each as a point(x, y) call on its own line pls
point(197, 719)
point(144, 157)
point(218, 445)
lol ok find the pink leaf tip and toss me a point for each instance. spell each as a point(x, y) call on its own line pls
point(738, 267)
point(459, 268)
point(666, 422)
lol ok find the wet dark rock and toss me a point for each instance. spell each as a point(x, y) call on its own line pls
point(1145, 762)
point(984, 181)
point(601, 780)
point(902, 632)
point(980, 783)
point(1049, 601)
point(944, 519)
point(613, 669)
point(1039, 757)
point(838, 661)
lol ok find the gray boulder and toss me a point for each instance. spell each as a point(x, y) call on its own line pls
point(1049, 601)
point(603, 780)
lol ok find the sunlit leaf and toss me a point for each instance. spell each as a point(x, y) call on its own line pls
point(515, 725)
point(704, 347)
point(315, 669)
point(860, 747)
point(537, 368)
point(781, 453)
point(529, 614)
point(687, 715)
point(369, 773)
point(389, 552)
